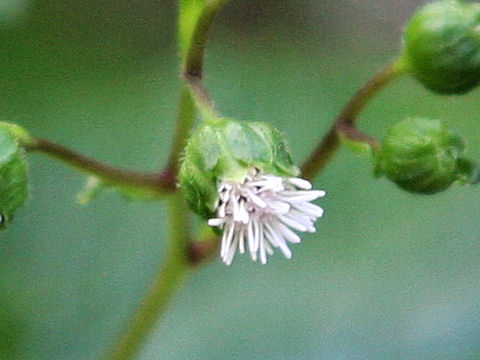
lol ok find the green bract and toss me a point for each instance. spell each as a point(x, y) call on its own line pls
point(422, 156)
point(442, 46)
point(225, 149)
point(13, 173)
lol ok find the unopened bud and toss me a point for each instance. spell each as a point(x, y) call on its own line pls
point(442, 46)
point(423, 156)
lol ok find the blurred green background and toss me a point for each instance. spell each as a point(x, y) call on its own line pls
point(388, 275)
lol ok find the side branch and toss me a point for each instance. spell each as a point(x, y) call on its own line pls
point(350, 131)
point(345, 123)
point(162, 182)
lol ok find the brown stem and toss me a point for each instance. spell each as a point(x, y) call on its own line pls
point(344, 124)
point(200, 251)
point(348, 130)
point(162, 182)
point(200, 94)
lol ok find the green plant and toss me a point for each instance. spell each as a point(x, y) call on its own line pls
point(224, 149)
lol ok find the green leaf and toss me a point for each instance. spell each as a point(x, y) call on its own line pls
point(246, 144)
point(13, 174)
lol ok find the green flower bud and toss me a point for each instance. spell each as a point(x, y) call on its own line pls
point(13, 173)
point(442, 46)
point(422, 156)
point(226, 149)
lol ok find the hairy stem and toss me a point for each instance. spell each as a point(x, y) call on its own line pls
point(185, 121)
point(164, 286)
point(162, 182)
point(201, 97)
point(345, 123)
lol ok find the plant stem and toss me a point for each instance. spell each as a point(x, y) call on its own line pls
point(185, 121)
point(181, 251)
point(194, 57)
point(205, 247)
point(201, 97)
point(160, 182)
point(344, 124)
point(195, 53)
point(164, 286)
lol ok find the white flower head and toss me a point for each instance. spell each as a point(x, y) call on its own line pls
point(259, 214)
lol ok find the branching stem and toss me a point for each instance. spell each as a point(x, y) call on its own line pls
point(181, 253)
point(345, 123)
point(162, 182)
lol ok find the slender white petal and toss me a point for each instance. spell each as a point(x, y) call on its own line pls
point(250, 237)
point(256, 199)
point(268, 248)
point(229, 238)
point(300, 183)
point(303, 195)
point(300, 218)
point(292, 223)
point(279, 240)
point(279, 207)
point(288, 234)
point(241, 245)
point(310, 209)
point(215, 222)
point(243, 213)
point(256, 238)
point(263, 254)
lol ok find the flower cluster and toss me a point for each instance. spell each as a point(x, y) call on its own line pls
point(260, 213)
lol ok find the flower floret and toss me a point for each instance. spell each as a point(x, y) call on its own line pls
point(260, 213)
